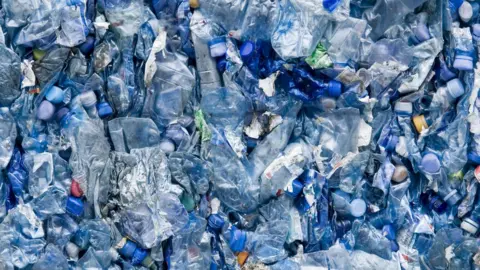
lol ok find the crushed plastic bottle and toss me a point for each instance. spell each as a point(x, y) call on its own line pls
point(239, 134)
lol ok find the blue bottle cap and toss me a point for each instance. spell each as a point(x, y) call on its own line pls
point(216, 222)
point(474, 158)
point(45, 111)
point(55, 95)
point(128, 248)
point(87, 47)
point(238, 239)
point(221, 64)
point(455, 88)
point(431, 163)
point(334, 88)
point(61, 113)
point(358, 207)
point(139, 255)
point(389, 232)
point(394, 246)
point(463, 61)
point(421, 32)
point(246, 50)
point(295, 189)
point(74, 206)
point(104, 109)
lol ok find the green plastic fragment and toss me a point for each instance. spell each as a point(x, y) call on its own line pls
point(319, 58)
point(202, 126)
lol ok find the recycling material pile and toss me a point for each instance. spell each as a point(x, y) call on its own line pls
point(239, 134)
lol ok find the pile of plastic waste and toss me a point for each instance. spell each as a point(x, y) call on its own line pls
point(239, 134)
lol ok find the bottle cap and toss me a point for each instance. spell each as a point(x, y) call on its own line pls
point(469, 225)
point(127, 248)
point(421, 32)
point(74, 206)
point(88, 99)
point(455, 88)
point(167, 146)
point(61, 113)
point(420, 123)
point(431, 163)
point(453, 197)
point(238, 238)
point(45, 111)
point(194, 3)
point(465, 11)
point(75, 189)
point(104, 109)
point(400, 174)
point(55, 95)
point(217, 46)
point(403, 108)
point(246, 50)
point(334, 88)
point(138, 256)
point(72, 250)
point(216, 222)
point(87, 47)
point(358, 207)
point(474, 158)
point(389, 232)
point(463, 62)
point(294, 189)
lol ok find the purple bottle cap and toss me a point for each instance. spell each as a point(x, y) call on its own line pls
point(45, 111)
point(431, 163)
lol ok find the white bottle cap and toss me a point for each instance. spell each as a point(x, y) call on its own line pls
point(455, 88)
point(465, 11)
point(358, 207)
point(469, 226)
point(400, 174)
point(72, 250)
